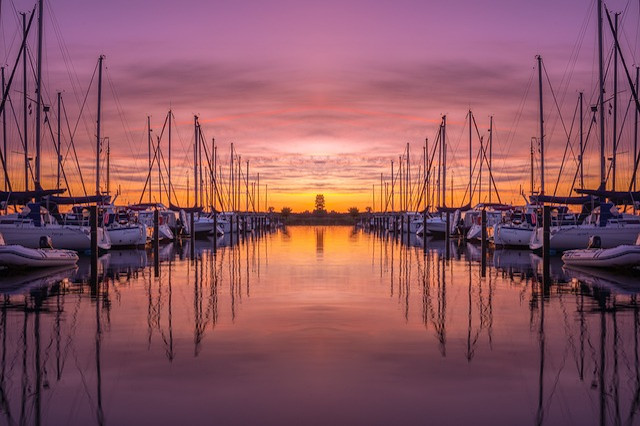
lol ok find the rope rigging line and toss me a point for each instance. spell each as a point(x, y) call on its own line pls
point(72, 146)
point(483, 150)
point(566, 148)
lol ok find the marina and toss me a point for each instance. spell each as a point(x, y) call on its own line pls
point(327, 213)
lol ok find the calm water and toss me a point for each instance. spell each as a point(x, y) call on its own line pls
point(319, 325)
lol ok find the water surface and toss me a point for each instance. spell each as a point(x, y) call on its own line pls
point(319, 325)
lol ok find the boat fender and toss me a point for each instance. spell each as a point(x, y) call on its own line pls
point(594, 242)
point(45, 242)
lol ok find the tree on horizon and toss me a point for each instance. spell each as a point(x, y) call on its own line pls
point(285, 212)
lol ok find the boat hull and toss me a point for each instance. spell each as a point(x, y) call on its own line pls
point(436, 226)
point(68, 237)
point(203, 225)
point(624, 256)
point(511, 236)
point(16, 256)
point(572, 237)
point(128, 235)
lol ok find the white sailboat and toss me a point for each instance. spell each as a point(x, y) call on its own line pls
point(613, 228)
point(26, 229)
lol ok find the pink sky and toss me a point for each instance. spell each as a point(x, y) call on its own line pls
point(321, 96)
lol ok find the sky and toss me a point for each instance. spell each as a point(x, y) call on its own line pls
point(319, 97)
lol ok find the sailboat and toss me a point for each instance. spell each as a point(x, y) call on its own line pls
point(26, 229)
point(605, 221)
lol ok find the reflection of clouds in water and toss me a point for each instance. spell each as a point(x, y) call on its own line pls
point(228, 316)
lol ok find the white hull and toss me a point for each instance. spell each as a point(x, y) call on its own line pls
point(624, 256)
point(511, 236)
point(23, 257)
point(414, 225)
point(224, 221)
point(572, 237)
point(165, 232)
point(127, 235)
point(202, 225)
point(68, 237)
point(224, 225)
point(475, 232)
point(436, 225)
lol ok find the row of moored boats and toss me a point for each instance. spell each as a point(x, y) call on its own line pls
point(28, 238)
point(600, 235)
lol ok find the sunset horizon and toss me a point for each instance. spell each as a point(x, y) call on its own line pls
point(318, 111)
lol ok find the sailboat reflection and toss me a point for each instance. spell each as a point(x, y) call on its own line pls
point(25, 281)
point(624, 282)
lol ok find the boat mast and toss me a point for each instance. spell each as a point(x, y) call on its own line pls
point(427, 174)
point(195, 159)
point(108, 166)
point(490, 155)
point(480, 170)
point(58, 143)
point(24, 103)
point(581, 144)
point(408, 182)
point(238, 182)
point(615, 106)
point(470, 165)
point(212, 169)
point(393, 201)
point(601, 98)
point(444, 160)
point(169, 171)
point(381, 195)
point(401, 174)
point(98, 146)
point(4, 138)
point(38, 95)
point(159, 171)
point(246, 180)
point(539, 58)
point(199, 143)
point(150, 168)
point(439, 164)
point(531, 164)
point(635, 131)
point(232, 197)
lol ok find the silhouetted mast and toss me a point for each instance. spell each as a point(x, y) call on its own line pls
point(444, 160)
point(98, 125)
point(149, 155)
point(59, 144)
point(615, 107)
point(490, 155)
point(581, 144)
point(24, 103)
point(38, 96)
point(539, 58)
point(635, 131)
point(169, 171)
point(195, 160)
point(601, 97)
